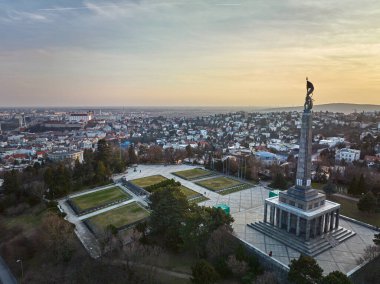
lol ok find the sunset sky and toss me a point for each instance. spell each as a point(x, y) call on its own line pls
point(188, 52)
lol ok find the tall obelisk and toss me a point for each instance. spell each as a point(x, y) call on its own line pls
point(301, 210)
point(302, 190)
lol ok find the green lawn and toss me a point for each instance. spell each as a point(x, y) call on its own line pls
point(235, 189)
point(218, 183)
point(317, 185)
point(99, 198)
point(151, 180)
point(147, 181)
point(348, 208)
point(120, 217)
point(188, 192)
point(199, 199)
point(193, 174)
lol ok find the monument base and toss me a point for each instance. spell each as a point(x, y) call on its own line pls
point(313, 247)
point(302, 223)
point(310, 232)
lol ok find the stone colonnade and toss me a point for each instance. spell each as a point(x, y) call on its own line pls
point(300, 224)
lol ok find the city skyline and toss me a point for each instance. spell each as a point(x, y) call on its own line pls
point(174, 53)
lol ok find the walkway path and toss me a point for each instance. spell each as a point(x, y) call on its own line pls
point(346, 197)
point(85, 236)
point(156, 268)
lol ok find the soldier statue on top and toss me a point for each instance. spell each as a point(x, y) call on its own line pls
point(308, 100)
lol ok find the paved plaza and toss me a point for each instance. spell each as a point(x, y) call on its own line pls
point(247, 206)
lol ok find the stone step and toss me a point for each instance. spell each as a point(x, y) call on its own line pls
point(312, 247)
point(345, 236)
point(351, 234)
point(289, 239)
point(311, 243)
point(291, 242)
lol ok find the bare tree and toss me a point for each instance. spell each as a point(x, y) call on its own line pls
point(370, 253)
point(267, 277)
point(221, 243)
point(60, 236)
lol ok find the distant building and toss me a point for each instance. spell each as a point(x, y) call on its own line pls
point(81, 117)
point(61, 155)
point(331, 141)
point(349, 155)
point(267, 158)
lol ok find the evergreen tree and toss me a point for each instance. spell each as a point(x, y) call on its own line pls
point(102, 173)
point(367, 203)
point(169, 207)
point(336, 277)
point(361, 187)
point(353, 187)
point(11, 182)
point(104, 152)
point(203, 273)
point(189, 151)
point(329, 188)
point(279, 182)
point(132, 155)
point(305, 270)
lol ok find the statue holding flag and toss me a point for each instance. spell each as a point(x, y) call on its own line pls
point(308, 100)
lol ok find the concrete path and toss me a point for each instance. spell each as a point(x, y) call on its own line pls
point(156, 268)
point(84, 235)
point(6, 276)
point(346, 197)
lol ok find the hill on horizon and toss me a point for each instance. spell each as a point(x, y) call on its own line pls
point(333, 107)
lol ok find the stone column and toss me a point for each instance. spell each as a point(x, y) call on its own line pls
point(276, 216)
point(307, 237)
point(265, 212)
point(337, 219)
point(315, 227)
point(322, 224)
point(327, 222)
point(280, 220)
point(271, 216)
point(298, 226)
point(331, 220)
point(303, 174)
point(288, 225)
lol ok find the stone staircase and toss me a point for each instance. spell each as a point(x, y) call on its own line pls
point(313, 247)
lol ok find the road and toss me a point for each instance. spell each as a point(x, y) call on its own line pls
point(6, 276)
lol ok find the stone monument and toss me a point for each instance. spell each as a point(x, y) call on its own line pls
point(301, 217)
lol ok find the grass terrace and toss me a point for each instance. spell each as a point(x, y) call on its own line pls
point(98, 199)
point(219, 183)
point(193, 174)
point(350, 209)
point(147, 181)
point(188, 192)
point(119, 217)
point(240, 187)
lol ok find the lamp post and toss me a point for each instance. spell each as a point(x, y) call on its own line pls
point(22, 269)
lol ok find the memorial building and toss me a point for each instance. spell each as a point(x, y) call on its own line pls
point(301, 217)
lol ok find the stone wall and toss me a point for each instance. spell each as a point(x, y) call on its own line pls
point(269, 263)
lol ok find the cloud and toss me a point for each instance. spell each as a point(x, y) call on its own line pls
point(110, 11)
point(14, 15)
